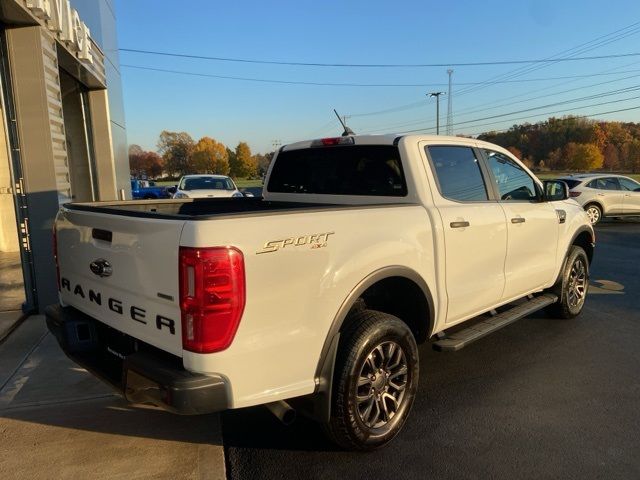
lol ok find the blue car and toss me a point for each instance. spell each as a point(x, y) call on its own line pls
point(146, 190)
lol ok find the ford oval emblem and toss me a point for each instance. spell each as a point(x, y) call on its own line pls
point(101, 267)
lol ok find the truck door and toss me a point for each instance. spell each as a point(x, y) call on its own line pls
point(475, 230)
point(532, 227)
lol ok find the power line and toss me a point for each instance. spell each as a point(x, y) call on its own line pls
point(474, 121)
point(582, 48)
point(267, 80)
point(467, 111)
point(379, 65)
point(493, 105)
point(590, 45)
point(337, 84)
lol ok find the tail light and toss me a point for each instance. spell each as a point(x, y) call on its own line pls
point(327, 142)
point(212, 297)
point(574, 194)
point(55, 254)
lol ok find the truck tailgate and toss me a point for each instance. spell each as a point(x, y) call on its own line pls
point(123, 271)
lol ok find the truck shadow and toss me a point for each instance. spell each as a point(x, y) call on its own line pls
point(113, 416)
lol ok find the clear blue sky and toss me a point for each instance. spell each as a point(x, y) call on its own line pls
point(368, 32)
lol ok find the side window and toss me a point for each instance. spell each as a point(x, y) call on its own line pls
point(606, 183)
point(514, 183)
point(629, 185)
point(458, 173)
point(610, 184)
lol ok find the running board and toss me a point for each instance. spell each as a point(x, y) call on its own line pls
point(462, 338)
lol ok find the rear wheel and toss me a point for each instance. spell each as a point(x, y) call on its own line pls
point(375, 381)
point(572, 286)
point(594, 212)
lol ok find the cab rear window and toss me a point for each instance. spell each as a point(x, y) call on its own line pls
point(374, 170)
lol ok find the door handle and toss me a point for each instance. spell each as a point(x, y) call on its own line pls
point(459, 224)
point(518, 220)
point(600, 194)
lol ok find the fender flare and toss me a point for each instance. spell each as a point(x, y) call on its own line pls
point(578, 232)
point(326, 363)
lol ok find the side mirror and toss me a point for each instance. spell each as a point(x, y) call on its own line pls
point(246, 193)
point(555, 190)
point(172, 190)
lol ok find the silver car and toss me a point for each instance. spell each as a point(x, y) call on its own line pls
point(605, 195)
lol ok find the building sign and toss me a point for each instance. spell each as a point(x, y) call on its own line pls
point(65, 22)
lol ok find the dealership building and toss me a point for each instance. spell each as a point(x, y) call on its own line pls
point(62, 132)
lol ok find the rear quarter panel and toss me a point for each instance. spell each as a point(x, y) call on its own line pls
point(294, 292)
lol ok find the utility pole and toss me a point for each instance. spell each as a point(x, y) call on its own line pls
point(276, 144)
point(449, 109)
point(437, 95)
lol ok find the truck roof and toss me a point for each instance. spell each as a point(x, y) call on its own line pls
point(390, 139)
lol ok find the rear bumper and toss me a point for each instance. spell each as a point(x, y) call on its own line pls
point(142, 373)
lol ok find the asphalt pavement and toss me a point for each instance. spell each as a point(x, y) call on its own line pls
point(542, 398)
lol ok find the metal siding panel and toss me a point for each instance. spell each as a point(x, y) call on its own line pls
point(56, 118)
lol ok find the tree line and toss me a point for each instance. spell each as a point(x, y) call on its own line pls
point(179, 154)
point(573, 143)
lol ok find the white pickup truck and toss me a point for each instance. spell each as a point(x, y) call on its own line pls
point(314, 297)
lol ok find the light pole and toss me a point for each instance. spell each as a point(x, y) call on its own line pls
point(437, 95)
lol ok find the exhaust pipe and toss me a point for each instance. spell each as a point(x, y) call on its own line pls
point(282, 411)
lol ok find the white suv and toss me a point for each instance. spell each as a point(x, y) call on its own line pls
point(206, 186)
point(605, 195)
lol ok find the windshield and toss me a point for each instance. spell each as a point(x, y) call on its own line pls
point(206, 183)
point(344, 170)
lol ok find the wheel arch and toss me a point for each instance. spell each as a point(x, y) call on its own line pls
point(583, 237)
point(394, 277)
point(597, 203)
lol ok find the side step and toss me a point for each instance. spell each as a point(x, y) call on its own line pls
point(462, 338)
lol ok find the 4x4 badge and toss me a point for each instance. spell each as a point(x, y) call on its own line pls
point(101, 267)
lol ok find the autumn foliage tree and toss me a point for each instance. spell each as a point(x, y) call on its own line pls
point(143, 163)
point(262, 162)
point(583, 156)
point(572, 143)
point(210, 156)
point(176, 149)
point(243, 164)
point(631, 155)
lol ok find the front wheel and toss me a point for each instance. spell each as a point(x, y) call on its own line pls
point(572, 286)
point(375, 381)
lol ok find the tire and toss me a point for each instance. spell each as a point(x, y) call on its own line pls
point(375, 381)
point(594, 212)
point(572, 286)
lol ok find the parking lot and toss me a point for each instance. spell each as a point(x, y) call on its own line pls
point(542, 398)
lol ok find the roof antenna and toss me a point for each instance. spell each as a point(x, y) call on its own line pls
point(347, 130)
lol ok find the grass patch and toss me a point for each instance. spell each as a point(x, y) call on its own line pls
point(246, 183)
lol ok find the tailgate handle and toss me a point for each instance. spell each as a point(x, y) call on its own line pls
point(104, 235)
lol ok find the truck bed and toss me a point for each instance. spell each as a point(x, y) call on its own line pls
point(198, 208)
